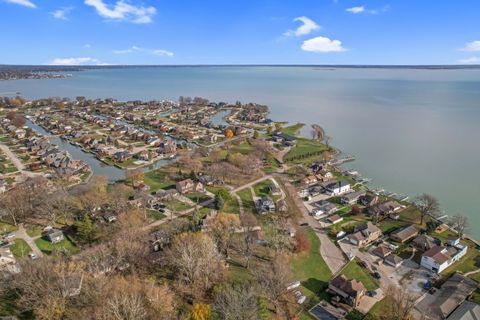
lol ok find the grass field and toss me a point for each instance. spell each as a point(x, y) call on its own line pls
point(197, 197)
point(293, 129)
point(47, 247)
point(156, 215)
point(231, 206)
point(353, 271)
point(176, 205)
point(305, 151)
point(247, 200)
point(310, 268)
point(6, 227)
point(262, 189)
point(157, 179)
point(20, 248)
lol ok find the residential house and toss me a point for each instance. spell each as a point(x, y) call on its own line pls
point(424, 242)
point(350, 291)
point(352, 197)
point(143, 155)
point(54, 235)
point(336, 188)
point(404, 234)
point(382, 251)
point(468, 310)
point(393, 260)
point(364, 234)
point(385, 209)
point(368, 199)
point(265, 205)
point(309, 180)
point(284, 138)
point(439, 258)
point(121, 156)
point(189, 185)
point(335, 218)
point(448, 298)
point(325, 207)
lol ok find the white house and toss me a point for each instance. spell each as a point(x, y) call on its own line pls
point(439, 258)
point(337, 188)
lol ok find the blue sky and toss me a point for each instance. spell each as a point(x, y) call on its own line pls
point(239, 32)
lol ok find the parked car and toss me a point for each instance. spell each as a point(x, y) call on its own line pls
point(305, 224)
point(32, 256)
point(9, 235)
point(432, 290)
point(376, 275)
point(371, 293)
point(363, 264)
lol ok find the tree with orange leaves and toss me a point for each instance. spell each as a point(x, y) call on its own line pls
point(229, 133)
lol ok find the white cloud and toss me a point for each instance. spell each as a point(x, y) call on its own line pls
point(356, 10)
point(61, 13)
point(472, 46)
point(87, 46)
point(308, 26)
point(363, 9)
point(322, 44)
point(25, 3)
point(123, 11)
point(157, 52)
point(76, 61)
point(471, 60)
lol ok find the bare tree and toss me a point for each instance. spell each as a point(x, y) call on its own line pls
point(401, 304)
point(459, 223)
point(428, 205)
point(319, 132)
point(196, 262)
point(222, 230)
point(274, 279)
point(237, 302)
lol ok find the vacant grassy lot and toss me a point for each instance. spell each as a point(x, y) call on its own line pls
point(158, 179)
point(310, 268)
point(247, 200)
point(47, 247)
point(197, 197)
point(6, 227)
point(293, 129)
point(262, 189)
point(176, 205)
point(353, 271)
point(20, 248)
point(305, 151)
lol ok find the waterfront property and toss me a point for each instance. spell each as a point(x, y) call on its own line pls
point(439, 258)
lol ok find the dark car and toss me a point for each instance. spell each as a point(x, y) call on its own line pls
point(305, 224)
point(376, 275)
point(432, 290)
point(363, 264)
point(371, 293)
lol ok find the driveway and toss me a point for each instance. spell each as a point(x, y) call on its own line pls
point(332, 255)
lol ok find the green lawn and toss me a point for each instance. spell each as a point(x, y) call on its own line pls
point(306, 150)
point(293, 129)
point(353, 271)
point(157, 179)
point(247, 200)
point(197, 197)
point(310, 268)
point(389, 225)
point(470, 262)
point(176, 205)
point(20, 248)
point(156, 215)
point(6, 227)
point(34, 230)
point(232, 206)
point(244, 148)
point(378, 310)
point(262, 189)
point(47, 247)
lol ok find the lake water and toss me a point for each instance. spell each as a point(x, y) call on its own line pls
point(411, 130)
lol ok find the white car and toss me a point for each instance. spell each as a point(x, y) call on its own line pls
point(300, 297)
point(32, 256)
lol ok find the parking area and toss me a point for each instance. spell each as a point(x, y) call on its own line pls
point(408, 274)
